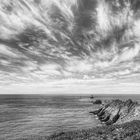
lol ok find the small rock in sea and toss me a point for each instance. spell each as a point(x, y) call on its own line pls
point(97, 102)
point(91, 97)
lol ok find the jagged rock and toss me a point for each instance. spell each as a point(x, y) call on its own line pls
point(117, 111)
point(96, 111)
point(102, 112)
point(97, 102)
point(105, 118)
point(91, 97)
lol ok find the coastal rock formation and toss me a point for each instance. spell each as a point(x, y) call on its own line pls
point(97, 102)
point(118, 111)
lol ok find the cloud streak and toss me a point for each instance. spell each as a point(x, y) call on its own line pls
point(43, 40)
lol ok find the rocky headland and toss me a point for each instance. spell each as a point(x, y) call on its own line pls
point(118, 112)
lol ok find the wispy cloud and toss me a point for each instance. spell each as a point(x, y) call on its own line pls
point(47, 40)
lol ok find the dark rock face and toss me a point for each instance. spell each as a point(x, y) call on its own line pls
point(117, 111)
point(97, 102)
point(91, 97)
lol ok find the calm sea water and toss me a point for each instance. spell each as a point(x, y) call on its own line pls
point(25, 115)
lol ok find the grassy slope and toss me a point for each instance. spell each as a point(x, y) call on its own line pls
point(127, 131)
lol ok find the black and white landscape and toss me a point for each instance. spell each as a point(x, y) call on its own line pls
point(69, 69)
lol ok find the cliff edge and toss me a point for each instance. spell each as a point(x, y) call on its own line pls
point(118, 112)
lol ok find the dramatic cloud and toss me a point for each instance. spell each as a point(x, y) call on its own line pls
point(48, 40)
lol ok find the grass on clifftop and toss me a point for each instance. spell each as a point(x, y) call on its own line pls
point(127, 131)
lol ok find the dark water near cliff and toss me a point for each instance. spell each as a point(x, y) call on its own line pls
point(25, 115)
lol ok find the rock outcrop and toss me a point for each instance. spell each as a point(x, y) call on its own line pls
point(118, 111)
point(97, 102)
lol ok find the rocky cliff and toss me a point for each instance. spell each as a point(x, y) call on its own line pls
point(118, 111)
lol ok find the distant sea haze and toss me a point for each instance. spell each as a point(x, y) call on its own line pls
point(26, 115)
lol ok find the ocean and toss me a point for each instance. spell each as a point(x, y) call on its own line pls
point(22, 116)
point(26, 115)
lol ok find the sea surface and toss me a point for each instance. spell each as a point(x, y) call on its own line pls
point(24, 115)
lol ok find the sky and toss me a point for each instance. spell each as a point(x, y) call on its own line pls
point(69, 46)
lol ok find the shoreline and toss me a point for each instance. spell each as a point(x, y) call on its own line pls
point(126, 131)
